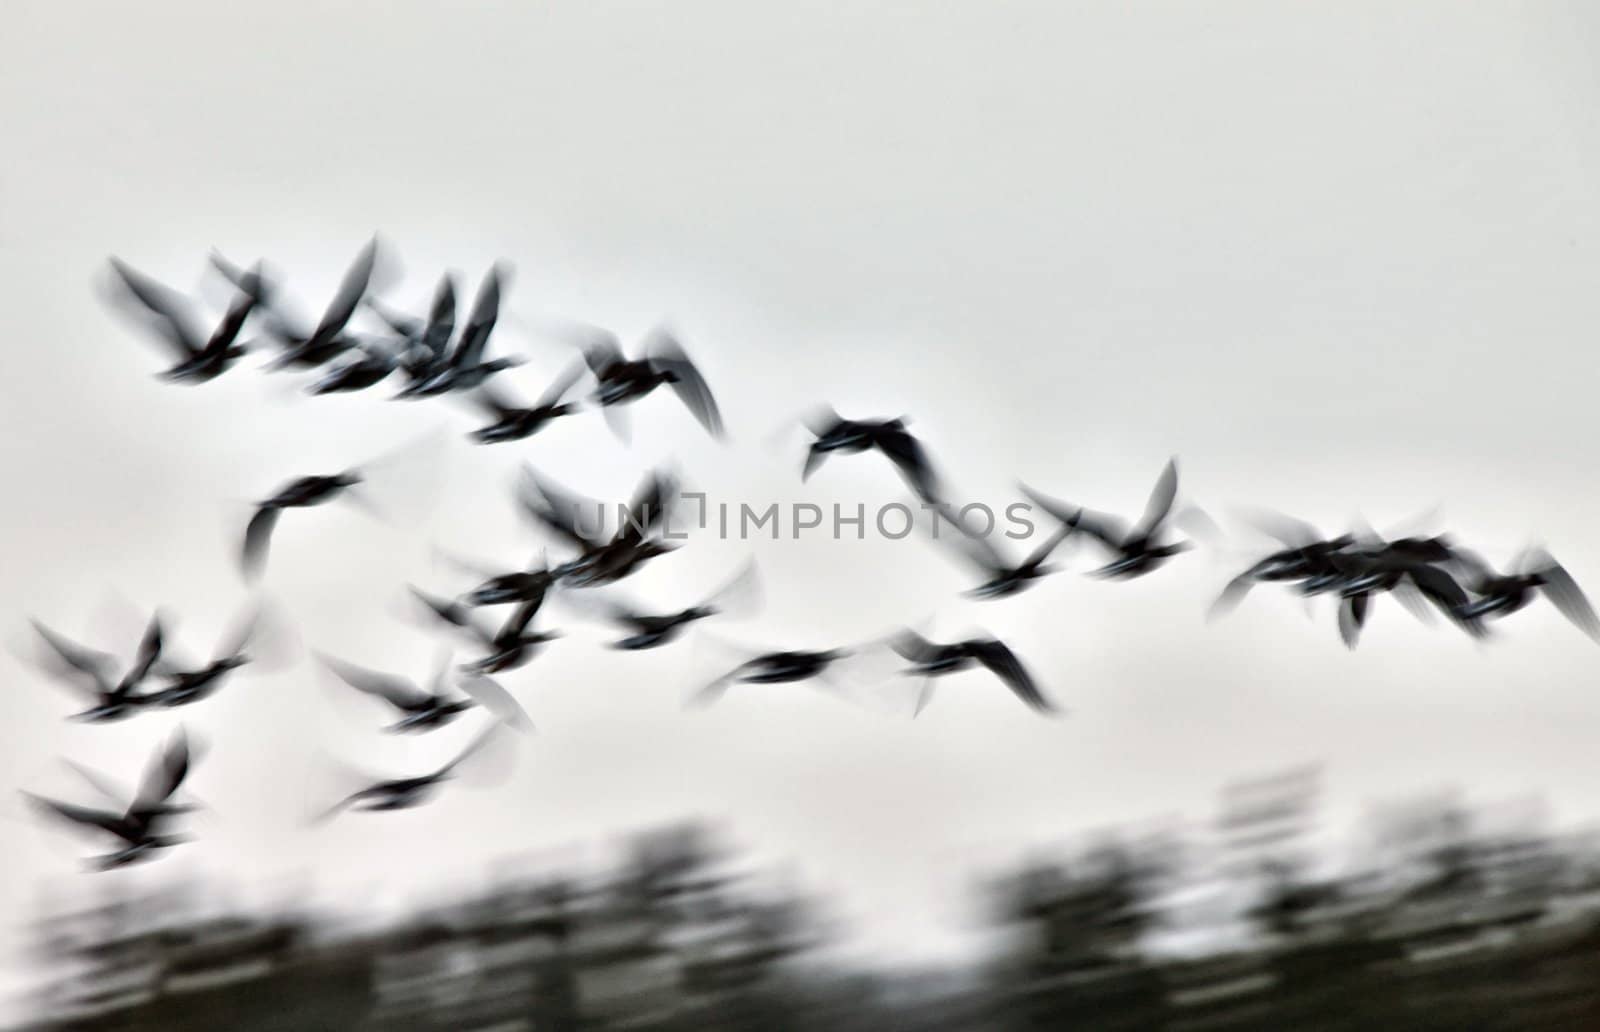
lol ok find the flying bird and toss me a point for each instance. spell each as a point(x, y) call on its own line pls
point(199, 358)
point(646, 630)
point(1136, 550)
point(834, 433)
point(620, 380)
point(465, 367)
point(1305, 556)
point(141, 828)
point(187, 682)
point(772, 668)
point(404, 793)
point(428, 339)
point(91, 672)
point(1003, 577)
point(929, 660)
point(425, 709)
point(514, 421)
point(510, 646)
point(1534, 572)
point(327, 340)
point(372, 366)
point(601, 559)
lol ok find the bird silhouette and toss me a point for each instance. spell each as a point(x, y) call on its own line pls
point(647, 630)
point(507, 647)
point(1136, 550)
point(141, 827)
point(434, 707)
point(299, 349)
point(514, 421)
point(834, 434)
point(465, 366)
point(1534, 572)
point(1304, 557)
point(90, 672)
point(199, 358)
point(621, 381)
point(404, 793)
point(929, 660)
point(1004, 578)
point(188, 682)
point(428, 340)
point(771, 668)
point(602, 559)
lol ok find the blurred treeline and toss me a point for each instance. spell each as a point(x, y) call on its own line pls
point(1429, 914)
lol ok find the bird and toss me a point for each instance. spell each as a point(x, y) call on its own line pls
point(1304, 557)
point(327, 340)
point(514, 421)
point(621, 381)
point(1004, 578)
point(299, 493)
point(498, 589)
point(1535, 571)
point(772, 668)
point(465, 367)
point(1137, 550)
point(510, 646)
point(434, 707)
point(834, 433)
point(141, 827)
point(648, 631)
point(428, 339)
point(930, 660)
point(404, 793)
point(199, 359)
point(600, 559)
point(91, 670)
point(189, 683)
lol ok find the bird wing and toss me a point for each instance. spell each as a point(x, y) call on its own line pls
point(822, 420)
point(493, 400)
point(908, 455)
point(81, 816)
point(166, 304)
point(397, 691)
point(1109, 530)
point(1567, 597)
point(649, 507)
point(1160, 502)
point(351, 289)
point(250, 293)
point(1352, 616)
point(257, 540)
point(240, 631)
point(455, 615)
point(492, 696)
point(560, 385)
point(88, 662)
point(1286, 530)
point(977, 550)
point(1232, 594)
point(667, 354)
point(557, 508)
point(149, 651)
point(441, 318)
point(999, 659)
point(165, 772)
point(485, 313)
point(814, 459)
point(910, 645)
point(741, 594)
point(1040, 554)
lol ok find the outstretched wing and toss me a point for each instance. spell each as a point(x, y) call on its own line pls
point(258, 540)
point(977, 550)
point(351, 290)
point(1232, 594)
point(1160, 502)
point(1567, 597)
point(907, 453)
point(166, 771)
point(485, 313)
point(558, 509)
point(81, 817)
point(741, 595)
point(560, 385)
point(395, 690)
point(77, 660)
point(649, 507)
point(1109, 530)
point(167, 305)
point(1004, 664)
point(910, 645)
point(454, 614)
point(492, 696)
point(1352, 617)
point(667, 354)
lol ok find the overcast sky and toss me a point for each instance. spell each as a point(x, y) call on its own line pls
point(1335, 257)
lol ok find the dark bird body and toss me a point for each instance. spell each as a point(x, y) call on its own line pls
point(297, 494)
point(513, 421)
point(1003, 577)
point(648, 631)
point(510, 646)
point(465, 366)
point(1537, 572)
point(327, 340)
point(602, 560)
point(186, 686)
point(621, 381)
point(405, 793)
point(425, 710)
point(372, 368)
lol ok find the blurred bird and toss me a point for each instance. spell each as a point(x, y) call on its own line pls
point(139, 828)
point(404, 793)
point(1304, 557)
point(513, 421)
point(620, 380)
point(509, 647)
point(91, 671)
point(465, 367)
point(834, 433)
point(929, 660)
point(1535, 570)
point(424, 710)
point(647, 631)
point(771, 668)
point(600, 559)
point(199, 358)
point(373, 366)
point(428, 339)
point(1137, 550)
point(327, 340)
point(1004, 577)
point(188, 683)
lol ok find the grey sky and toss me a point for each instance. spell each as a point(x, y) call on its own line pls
point(1333, 256)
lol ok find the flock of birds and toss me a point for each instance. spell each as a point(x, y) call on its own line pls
point(433, 356)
